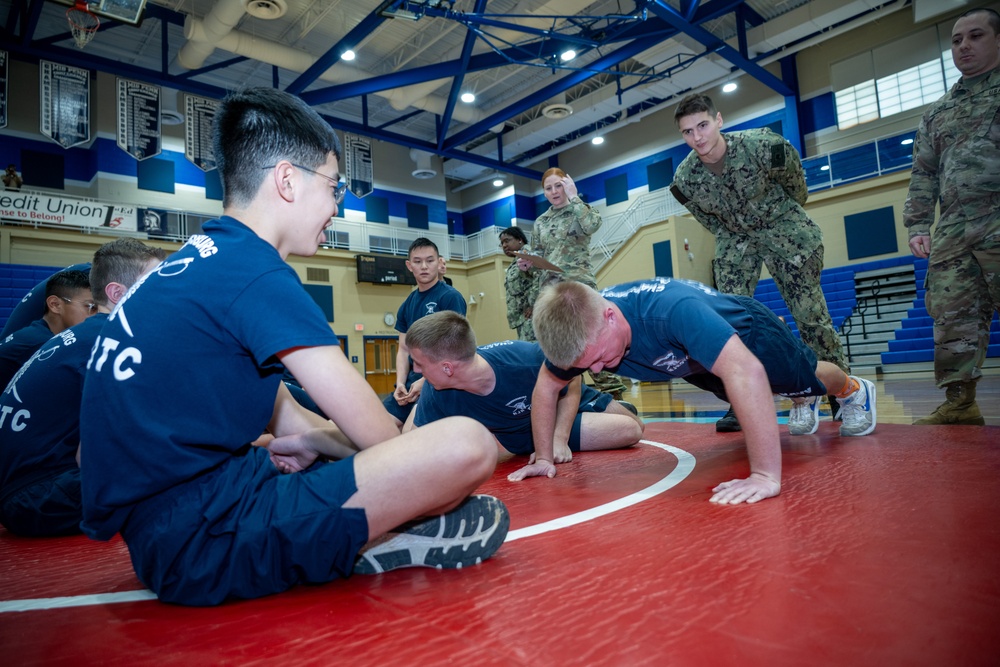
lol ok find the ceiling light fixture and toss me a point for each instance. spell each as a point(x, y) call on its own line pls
point(906, 142)
point(567, 55)
point(729, 87)
point(348, 55)
point(497, 180)
point(597, 141)
point(468, 98)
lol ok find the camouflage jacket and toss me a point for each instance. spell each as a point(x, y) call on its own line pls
point(956, 157)
point(522, 290)
point(756, 204)
point(562, 236)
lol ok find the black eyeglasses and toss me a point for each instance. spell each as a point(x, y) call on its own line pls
point(339, 191)
point(91, 306)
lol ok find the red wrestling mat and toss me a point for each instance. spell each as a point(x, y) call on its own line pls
point(880, 550)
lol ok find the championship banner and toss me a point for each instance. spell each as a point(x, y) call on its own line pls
point(138, 119)
point(198, 131)
point(359, 173)
point(44, 209)
point(65, 103)
point(3, 88)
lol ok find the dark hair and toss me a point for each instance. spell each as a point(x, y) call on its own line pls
point(65, 284)
point(121, 261)
point(259, 127)
point(693, 104)
point(422, 242)
point(444, 335)
point(992, 16)
point(515, 233)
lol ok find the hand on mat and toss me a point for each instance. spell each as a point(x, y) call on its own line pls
point(292, 453)
point(561, 452)
point(756, 487)
point(533, 469)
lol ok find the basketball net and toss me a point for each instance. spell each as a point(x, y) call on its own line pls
point(83, 23)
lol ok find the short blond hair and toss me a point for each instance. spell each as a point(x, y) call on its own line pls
point(444, 335)
point(567, 317)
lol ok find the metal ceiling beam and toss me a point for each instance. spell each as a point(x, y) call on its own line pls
point(367, 26)
point(713, 43)
point(632, 49)
point(456, 82)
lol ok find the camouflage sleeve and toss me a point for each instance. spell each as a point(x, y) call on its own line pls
point(586, 217)
point(709, 221)
point(922, 198)
point(785, 167)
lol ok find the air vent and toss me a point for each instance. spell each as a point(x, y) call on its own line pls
point(267, 9)
point(557, 111)
point(315, 275)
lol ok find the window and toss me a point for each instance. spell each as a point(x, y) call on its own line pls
point(857, 104)
point(910, 88)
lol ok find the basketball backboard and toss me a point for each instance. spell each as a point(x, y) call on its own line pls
point(125, 11)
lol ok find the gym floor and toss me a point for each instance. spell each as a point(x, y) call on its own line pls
point(881, 550)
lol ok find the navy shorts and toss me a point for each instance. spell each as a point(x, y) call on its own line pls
point(591, 400)
point(244, 530)
point(789, 363)
point(45, 508)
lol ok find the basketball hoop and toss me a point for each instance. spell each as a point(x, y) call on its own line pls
point(83, 23)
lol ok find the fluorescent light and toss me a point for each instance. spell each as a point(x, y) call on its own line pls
point(568, 54)
point(597, 141)
point(729, 87)
point(347, 55)
point(468, 98)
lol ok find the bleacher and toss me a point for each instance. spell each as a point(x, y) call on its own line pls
point(878, 308)
point(15, 281)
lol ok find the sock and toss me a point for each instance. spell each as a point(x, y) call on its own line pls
point(849, 388)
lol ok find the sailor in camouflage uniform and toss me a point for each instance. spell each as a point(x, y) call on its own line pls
point(521, 287)
point(748, 188)
point(562, 236)
point(956, 162)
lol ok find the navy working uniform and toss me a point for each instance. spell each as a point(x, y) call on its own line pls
point(505, 411)
point(679, 328)
point(441, 296)
point(182, 378)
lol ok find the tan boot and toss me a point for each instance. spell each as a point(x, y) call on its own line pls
point(959, 407)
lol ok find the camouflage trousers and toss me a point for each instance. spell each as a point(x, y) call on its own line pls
point(963, 291)
point(799, 286)
point(526, 331)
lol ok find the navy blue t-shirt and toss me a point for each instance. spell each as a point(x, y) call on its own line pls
point(18, 347)
point(441, 296)
point(679, 327)
point(40, 409)
point(505, 411)
point(185, 373)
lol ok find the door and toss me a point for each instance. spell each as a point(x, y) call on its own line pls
point(380, 364)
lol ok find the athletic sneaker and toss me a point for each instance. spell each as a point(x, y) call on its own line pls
point(729, 423)
point(467, 535)
point(631, 408)
point(858, 410)
point(803, 418)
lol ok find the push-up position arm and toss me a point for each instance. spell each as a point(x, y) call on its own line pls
point(544, 400)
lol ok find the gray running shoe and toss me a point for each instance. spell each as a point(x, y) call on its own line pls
point(803, 418)
point(467, 535)
point(858, 410)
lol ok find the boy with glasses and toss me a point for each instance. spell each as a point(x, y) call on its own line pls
point(40, 408)
point(67, 303)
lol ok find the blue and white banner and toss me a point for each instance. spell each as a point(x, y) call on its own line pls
point(65, 103)
point(138, 118)
point(200, 114)
point(40, 209)
point(359, 172)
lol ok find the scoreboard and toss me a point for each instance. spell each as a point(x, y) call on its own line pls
point(384, 270)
